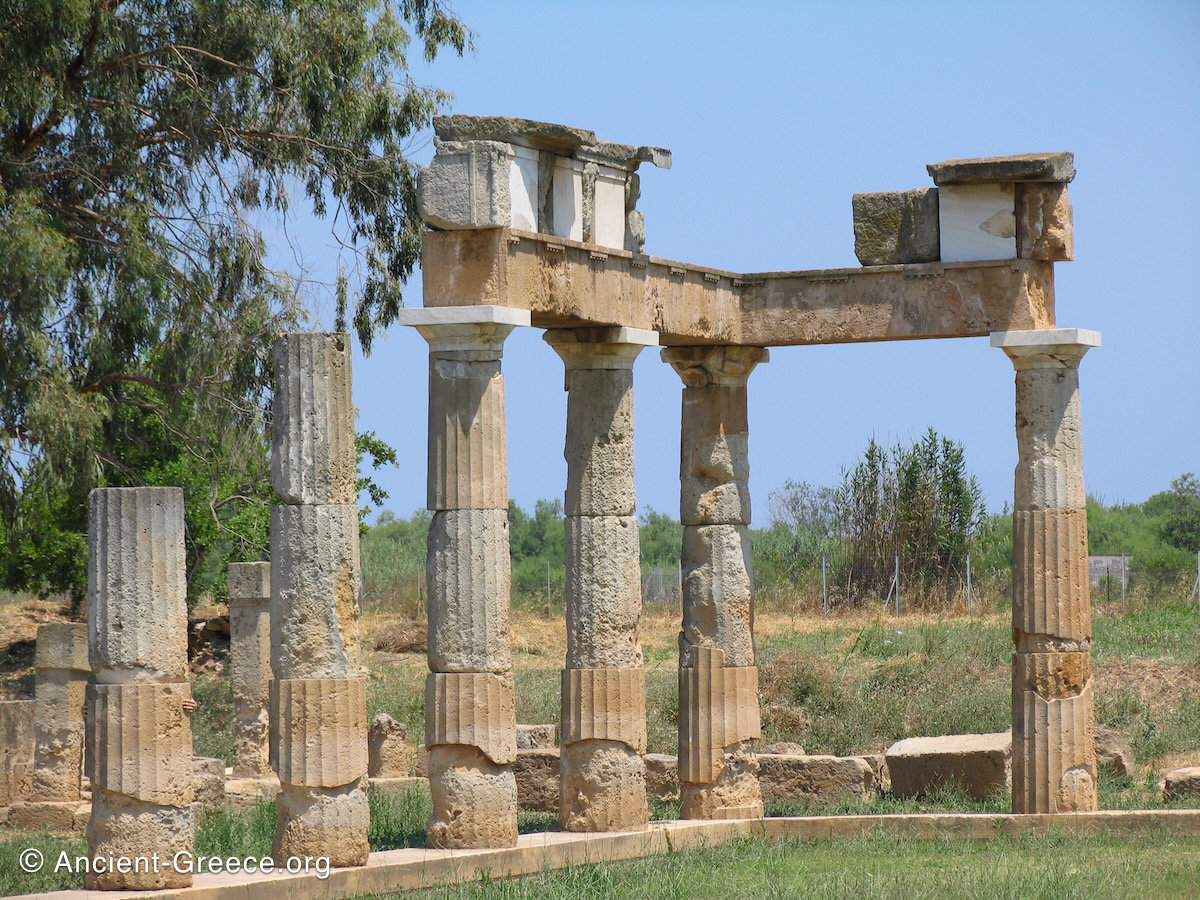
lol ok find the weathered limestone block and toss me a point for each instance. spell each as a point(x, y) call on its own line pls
point(603, 787)
point(1049, 472)
point(717, 593)
point(975, 763)
point(536, 772)
point(1053, 753)
point(313, 458)
point(662, 777)
point(878, 764)
point(599, 445)
point(322, 731)
point(735, 794)
point(783, 748)
point(1045, 222)
point(315, 587)
point(718, 709)
point(785, 778)
point(1181, 783)
point(714, 467)
point(1036, 167)
point(208, 779)
point(123, 826)
point(474, 800)
point(137, 587)
point(249, 587)
point(57, 815)
point(474, 709)
point(330, 822)
point(896, 227)
point(466, 185)
point(389, 754)
point(536, 737)
point(604, 705)
point(604, 592)
point(16, 750)
point(468, 577)
point(1114, 756)
point(143, 742)
point(467, 442)
point(714, 364)
point(61, 688)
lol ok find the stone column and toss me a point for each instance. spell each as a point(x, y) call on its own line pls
point(718, 681)
point(141, 774)
point(249, 587)
point(603, 775)
point(470, 718)
point(16, 752)
point(61, 662)
point(318, 695)
point(1053, 753)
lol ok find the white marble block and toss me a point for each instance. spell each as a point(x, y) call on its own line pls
point(568, 199)
point(523, 189)
point(977, 221)
point(609, 230)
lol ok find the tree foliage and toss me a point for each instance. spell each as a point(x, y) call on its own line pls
point(141, 146)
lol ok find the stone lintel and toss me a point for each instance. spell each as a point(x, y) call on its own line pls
point(600, 347)
point(1046, 348)
point(448, 328)
point(705, 365)
point(569, 284)
point(994, 169)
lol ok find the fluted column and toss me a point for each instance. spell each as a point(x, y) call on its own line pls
point(1053, 754)
point(603, 774)
point(470, 718)
point(137, 641)
point(249, 591)
point(718, 679)
point(317, 697)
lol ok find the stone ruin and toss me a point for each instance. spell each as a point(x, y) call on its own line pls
point(536, 224)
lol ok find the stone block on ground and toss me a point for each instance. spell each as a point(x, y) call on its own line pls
point(208, 776)
point(815, 779)
point(537, 774)
point(536, 737)
point(1181, 783)
point(56, 815)
point(976, 763)
point(390, 755)
point(878, 764)
point(16, 750)
point(662, 777)
point(1114, 756)
point(896, 227)
point(785, 748)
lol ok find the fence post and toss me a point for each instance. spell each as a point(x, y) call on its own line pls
point(824, 588)
point(1124, 604)
point(548, 613)
point(968, 584)
point(897, 585)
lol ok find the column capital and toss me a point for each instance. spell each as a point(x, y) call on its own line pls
point(716, 364)
point(604, 347)
point(449, 328)
point(1046, 348)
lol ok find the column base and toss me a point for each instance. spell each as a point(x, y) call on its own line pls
point(474, 800)
point(322, 821)
point(602, 788)
point(736, 794)
point(122, 826)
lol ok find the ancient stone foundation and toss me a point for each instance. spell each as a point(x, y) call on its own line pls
point(141, 767)
point(318, 695)
point(470, 719)
point(1053, 753)
point(250, 666)
point(16, 752)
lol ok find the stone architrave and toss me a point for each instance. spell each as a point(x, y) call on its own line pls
point(470, 719)
point(317, 695)
point(1053, 752)
point(61, 662)
point(717, 771)
point(249, 587)
point(603, 775)
point(141, 770)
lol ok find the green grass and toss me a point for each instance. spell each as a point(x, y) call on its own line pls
point(212, 722)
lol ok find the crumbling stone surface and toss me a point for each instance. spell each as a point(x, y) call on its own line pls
point(208, 778)
point(662, 777)
point(1051, 167)
point(121, 825)
point(1053, 753)
point(536, 737)
point(604, 592)
point(1045, 222)
point(603, 787)
point(717, 592)
point(16, 750)
point(1181, 783)
point(389, 753)
point(61, 658)
point(250, 666)
point(537, 775)
point(599, 445)
point(313, 458)
point(137, 589)
point(788, 778)
point(896, 227)
point(1114, 756)
point(975, 763)
point(474, 800)
point(878, 764)
point(321, 821)
point(466, 185)
point(468, 576)
point(736, 794)
point(315, 588)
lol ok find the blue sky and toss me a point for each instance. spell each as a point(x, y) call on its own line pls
point(777, 114)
